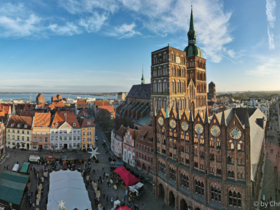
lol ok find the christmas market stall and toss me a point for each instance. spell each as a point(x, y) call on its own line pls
point(124, 177)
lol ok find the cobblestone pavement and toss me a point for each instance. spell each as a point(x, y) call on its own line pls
point(147, 201)
point(270, 173)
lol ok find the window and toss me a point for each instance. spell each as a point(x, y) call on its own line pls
point(172, 174)
point(35, 139)
point(199, 187)
point(234, 199)
point(161, 168)
point(22, 132)
point(84, 139)
point(215, 194)
point(17, 137)
point(22, 138)
point(34, 146)
point(40, 139)
point(27, 132)
point(46, 139)
point(231, 174)
point(219, 171)
point(185, 180)
point(45, 146)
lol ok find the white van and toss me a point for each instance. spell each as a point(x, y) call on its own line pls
point(15, 168)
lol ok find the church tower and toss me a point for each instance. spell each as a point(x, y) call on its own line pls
point(196, 73)
point(178, 78)
point(143, 78)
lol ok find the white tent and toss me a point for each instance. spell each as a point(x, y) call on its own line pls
point(68, 186)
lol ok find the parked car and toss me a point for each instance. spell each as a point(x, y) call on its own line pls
point(111, 158)
point(16, 168)
point(96, 138)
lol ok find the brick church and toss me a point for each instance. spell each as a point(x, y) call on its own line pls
point(201, 162)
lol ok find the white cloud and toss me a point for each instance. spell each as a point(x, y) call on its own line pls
point(269, 66)
point(87, 6)
point(67, 29)
point(123, 31)
point(271, 17)
point(94, 22)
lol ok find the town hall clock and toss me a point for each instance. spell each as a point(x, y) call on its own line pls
point(198, 129)
point(235, 133)
point(178, 59)
point(172, 123)
point(185, 126)
point(215, 131)
point(160, 121)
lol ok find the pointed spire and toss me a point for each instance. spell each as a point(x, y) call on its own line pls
point(191, 117)
point(167, 113)
point(177, 110)
point(206, 121)
point(192, 33)
point(143, 78)
point(223, 121)
point(247, 124)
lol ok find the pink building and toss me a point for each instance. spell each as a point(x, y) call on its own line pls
point(128, 146)
point(117, 141)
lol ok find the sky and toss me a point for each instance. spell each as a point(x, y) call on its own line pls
point(101, 45)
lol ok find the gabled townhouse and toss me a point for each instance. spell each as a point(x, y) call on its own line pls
point(128, 146)
point(87, 133)
point(41, 131)
point(117, 141)
point(65, 131)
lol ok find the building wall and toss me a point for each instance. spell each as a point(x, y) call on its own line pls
point(21, 137)
point(128, 149)
point(144, 156)
point(88, 137)
point(117, 147)
point(40, 138)
point(65, 136)
point(2, 139)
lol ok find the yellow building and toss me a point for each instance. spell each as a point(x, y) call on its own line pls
point(87, 133)
point(18, 132)
point(41, 131)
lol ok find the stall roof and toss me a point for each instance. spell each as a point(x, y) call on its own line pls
point(124, 208)
point(50, 157)
point(126, 176)
point(24, 168)
point(12, 186)
point(69, 187)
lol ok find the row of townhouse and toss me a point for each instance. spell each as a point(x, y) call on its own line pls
point(63, 130)
point(134, 146)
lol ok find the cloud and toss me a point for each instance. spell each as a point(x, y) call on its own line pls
point(67, 29)
point(93, 23)
point(271, 17)
point(270, 66)
point(88, 6)
point(123, 31)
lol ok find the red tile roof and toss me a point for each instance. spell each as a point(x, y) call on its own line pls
point(102, 103)
point(87, 123)
point(109, 108)
point(42, 119)
point(27, 113)
point(65, 116)
point(19, 122)
point(81, 101)
point(121, 132)
point(83, 112)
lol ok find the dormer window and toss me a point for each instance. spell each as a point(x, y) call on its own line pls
point(88, 122)
point(18, 125)
point(65, 114)
point(25, 125)
point(56, 124)
point(74, 124)
point(12, 124)
point(142, 137)
point(41, 126)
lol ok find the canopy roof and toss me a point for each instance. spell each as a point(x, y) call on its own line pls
point(69, 187)
point(24, 168)
point(126, 176)
point(124, 208)
point(12, 186)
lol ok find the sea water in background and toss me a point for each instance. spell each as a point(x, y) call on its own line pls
point(26, 97)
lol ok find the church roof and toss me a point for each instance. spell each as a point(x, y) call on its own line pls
point(140, 91)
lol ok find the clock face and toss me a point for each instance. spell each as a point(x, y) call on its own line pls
point(178, 59)
point(235, 133)
point(185, 126)
point(198, 129)
point(172, 123)
point(160, 121)
point(215, 130)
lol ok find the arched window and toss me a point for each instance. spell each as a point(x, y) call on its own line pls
point(159, 86)
point(164, 88)
point(184, 103)
point(199, 187)
point(229, 160)
point(164, 71)
point(185, 181)
point(239, 161)
point(173, 86)
point(155, 87)
point(183, 87)
point(183, 72)
point(172, 71)
point(178, 72)
point(159, 72)
point(215, 194)
point(172, 174)
point(178, 86)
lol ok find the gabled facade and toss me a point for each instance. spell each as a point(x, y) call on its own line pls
point(65, 131)
point(214, 162)
point(129, 146)
point(117, 141)
point(18, 132)
point(87, 133)
point(41, 131)
point(2, 139)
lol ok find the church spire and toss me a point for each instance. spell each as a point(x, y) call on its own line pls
point(143, 78)
point(192, 33)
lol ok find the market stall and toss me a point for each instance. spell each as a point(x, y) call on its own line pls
point(125, 177)
point(34, 158)
point(136, 190)
point(50, 159)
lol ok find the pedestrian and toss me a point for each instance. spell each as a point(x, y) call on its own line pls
point(107, 198)
point(103, 195)
point(124, 196)
point(108, 183)
point(112, 200)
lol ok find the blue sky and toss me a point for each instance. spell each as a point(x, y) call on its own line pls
point(100, 45)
